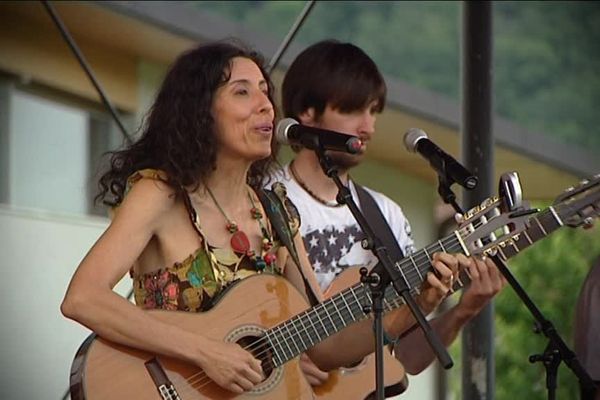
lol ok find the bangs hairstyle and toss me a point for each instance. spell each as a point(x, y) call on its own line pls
point(332, 73)
point(179, 137)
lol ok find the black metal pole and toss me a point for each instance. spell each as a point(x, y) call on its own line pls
point(478, 156)
point(86, 67)
point(290, 35)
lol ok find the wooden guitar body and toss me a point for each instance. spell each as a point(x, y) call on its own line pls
point(358, 382)
point(104, 370)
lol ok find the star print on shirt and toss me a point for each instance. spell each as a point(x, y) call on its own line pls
point(326, 247)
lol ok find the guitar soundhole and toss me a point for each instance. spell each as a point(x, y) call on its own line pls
point(252, 339)
point(261, 350)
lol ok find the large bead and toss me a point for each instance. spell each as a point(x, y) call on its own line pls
point(270, 258)
point(240, 242)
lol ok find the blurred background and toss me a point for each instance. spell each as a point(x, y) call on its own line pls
point(54, 131)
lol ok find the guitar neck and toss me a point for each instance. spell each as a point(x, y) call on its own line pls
point(295, 336)
point(539, 226)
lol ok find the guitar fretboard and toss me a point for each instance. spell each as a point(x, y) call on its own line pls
point(540, 225)
point(293, 337)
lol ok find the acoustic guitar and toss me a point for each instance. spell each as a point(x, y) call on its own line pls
point(268, 317)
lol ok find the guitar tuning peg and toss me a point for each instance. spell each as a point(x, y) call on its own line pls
point(588, 222)
point(459, 218)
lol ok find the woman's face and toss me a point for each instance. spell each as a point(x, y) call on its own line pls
point(243, 113)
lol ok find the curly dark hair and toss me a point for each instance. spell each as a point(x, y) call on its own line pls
point(179, 136)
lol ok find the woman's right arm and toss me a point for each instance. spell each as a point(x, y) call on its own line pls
point(91, 301)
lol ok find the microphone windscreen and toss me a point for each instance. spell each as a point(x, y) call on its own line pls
point(411, 137)
point(281, 132)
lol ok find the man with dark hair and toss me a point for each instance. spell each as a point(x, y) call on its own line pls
point(336, 86)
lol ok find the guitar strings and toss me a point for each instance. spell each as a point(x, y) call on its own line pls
point(205, 380)
point(415, 259)
point(317, 310)
point(200, 379)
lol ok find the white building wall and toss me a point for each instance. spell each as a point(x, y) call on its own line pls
point(39, 253)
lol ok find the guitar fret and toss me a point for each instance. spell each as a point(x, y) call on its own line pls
point(427, 254)
point(540, 225)
point(442, 246)
point(556, 217)
point(329, 317)
point(517, 249)
point(314, 328)
point(278, 361)
point(415, 265)
point(523, 241)
point(535, 232)
point(338, 311)
point(291, 353)
point(462, 277)
point(462, 244)
point(552, 222)
point(308, 336)
point(357, 301)
point(321, 321)
point(292, 339)
point(283, 355)
point(527, 237)
point(348, 308)
point(502, 253)
point(404, 277)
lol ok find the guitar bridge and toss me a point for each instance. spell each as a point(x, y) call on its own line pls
point(165, 388)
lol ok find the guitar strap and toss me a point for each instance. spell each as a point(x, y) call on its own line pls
point(274, 206)
point(380, 226)
point(382, 229)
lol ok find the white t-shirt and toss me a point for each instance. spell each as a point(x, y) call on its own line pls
point(332, 236)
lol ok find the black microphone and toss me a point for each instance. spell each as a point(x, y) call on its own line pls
point(289, 131)
point(416, 140)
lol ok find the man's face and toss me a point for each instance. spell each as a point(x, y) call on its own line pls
point(360, 123)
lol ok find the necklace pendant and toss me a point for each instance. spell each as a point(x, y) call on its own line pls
point(239, 242)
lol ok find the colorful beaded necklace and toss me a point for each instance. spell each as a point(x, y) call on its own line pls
point(239, 242)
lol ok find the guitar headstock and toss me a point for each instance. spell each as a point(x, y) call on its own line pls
point(497, 222)
point(580, 205)
point(488, 225)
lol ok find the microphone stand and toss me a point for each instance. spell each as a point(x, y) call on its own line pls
point(379, 277)
point(556, 349)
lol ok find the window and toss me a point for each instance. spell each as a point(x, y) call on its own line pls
point(53, 151)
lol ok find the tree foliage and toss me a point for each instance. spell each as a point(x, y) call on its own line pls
point(546, 54)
